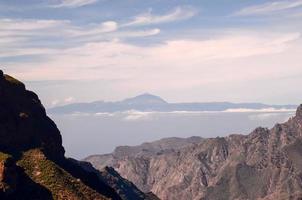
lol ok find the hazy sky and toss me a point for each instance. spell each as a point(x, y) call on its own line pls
point(185, 50)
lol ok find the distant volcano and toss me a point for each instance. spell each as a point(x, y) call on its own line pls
point(149, 102)
point(146, 99)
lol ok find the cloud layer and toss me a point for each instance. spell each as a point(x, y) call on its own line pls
point(73, 3)
point(129, 51)
point(179, 13)
point(134, 116)
point(271, 7)
point(102, 59)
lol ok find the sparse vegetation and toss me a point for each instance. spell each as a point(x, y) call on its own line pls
point(61, 184)
point(12, 80)
point(4, 156)
point(23, 115)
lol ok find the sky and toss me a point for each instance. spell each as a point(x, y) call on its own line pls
point(184, 51)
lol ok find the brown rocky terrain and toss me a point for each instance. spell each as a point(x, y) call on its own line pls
point(264, 165)
point(148, 149)
point(32, 162)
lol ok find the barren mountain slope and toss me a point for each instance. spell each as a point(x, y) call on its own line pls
point(266, 164)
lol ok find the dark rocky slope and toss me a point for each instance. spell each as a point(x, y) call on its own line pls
point(32, 162)
point(264, 165)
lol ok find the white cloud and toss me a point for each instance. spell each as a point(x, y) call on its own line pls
point(139, 33)
point(264, 110)
point(69, 100)
point(99, 52)
point(19, 36)
point(74, 3)
point(177, 64)
point(54, 102)
point(268, 8)
point(179, 13)
point(138, 116)
point(117, 35)
point(29, 24)
point(230, 46)
point(270, 116)
point(34, 28)
point(105, 27)
point(24, 51)
point(134, 115)
point(8, 40)
point(60, 102)
point(15, 31)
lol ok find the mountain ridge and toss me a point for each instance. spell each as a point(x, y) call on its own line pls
point(32, 159)
point(149, 102)
point(264, 165)
point(145, 98)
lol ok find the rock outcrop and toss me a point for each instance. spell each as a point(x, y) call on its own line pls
point(264, 165)
point(32, 162)
point(23, 121)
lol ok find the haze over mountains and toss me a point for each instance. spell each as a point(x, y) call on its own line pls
point(266, 164)
point(263, 165)
point(213, 71)
point(147, 118)
point(148, 102)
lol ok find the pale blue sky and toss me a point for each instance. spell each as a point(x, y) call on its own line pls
point(185, 50)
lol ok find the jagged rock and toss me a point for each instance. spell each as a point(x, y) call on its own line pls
point(299, 112)
point(264, 165)
point(32, 162)
point(125, 189)
point(23, 121)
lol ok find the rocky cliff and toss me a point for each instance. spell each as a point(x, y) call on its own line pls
point(32, 162)
point(264, 165)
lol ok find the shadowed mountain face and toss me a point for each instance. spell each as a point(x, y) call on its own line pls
point(23, 121)
point(266, 164)
point(32, 162)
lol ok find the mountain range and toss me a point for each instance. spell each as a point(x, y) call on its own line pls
point(149, 102)
point(33, 165)
point(264, 165)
